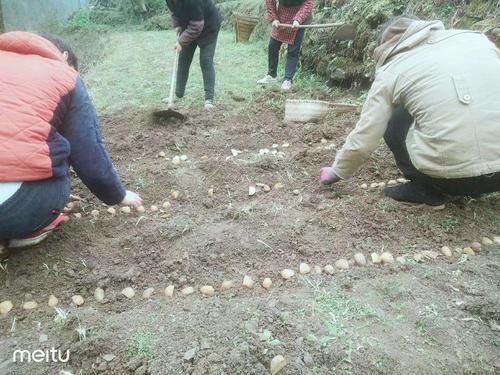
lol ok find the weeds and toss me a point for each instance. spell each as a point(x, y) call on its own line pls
point(449, 223)
point(143, 344)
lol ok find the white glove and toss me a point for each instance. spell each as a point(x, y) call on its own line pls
point(296, 24)
point(276, 23)
point(132, 199)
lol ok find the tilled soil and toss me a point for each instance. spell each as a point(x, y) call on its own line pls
point(436, 317)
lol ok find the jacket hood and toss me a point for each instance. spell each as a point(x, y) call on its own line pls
point(25, 43)
point(403, 35)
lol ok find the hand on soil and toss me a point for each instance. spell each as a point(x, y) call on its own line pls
point(132, 199)
point(328, 176)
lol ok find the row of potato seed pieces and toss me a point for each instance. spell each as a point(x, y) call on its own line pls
point(248, 282)
point(375, 185)
point(206, 290)
point(128, 210)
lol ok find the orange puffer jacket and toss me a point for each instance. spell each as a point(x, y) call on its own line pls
point(34, 78)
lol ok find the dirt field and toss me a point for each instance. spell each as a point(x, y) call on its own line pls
point(435, 316)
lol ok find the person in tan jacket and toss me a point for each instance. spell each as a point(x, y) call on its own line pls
point(436, 102)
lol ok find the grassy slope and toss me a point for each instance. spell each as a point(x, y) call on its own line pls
point(136, 71)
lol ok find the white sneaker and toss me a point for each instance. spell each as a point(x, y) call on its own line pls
point(209, 105)
point(286, 85)
point(266, 80)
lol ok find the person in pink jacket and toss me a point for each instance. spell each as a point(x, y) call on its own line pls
point(294, 12)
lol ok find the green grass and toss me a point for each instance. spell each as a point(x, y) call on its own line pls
point(143, 344)
point(136, 71)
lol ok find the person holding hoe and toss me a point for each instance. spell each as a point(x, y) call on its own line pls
point(436, 102)
point(197, 23)
point(47, 124)
point(294, 12)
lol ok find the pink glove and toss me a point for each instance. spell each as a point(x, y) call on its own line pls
point(328, 176)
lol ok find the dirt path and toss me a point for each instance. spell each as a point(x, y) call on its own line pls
point(432, 317)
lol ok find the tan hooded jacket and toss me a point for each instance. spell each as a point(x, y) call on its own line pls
point(449, 81)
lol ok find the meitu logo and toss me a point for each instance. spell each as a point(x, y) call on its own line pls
point(38, 356)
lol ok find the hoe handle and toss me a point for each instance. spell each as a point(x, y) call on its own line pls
point(318, 26)
point(173, 81)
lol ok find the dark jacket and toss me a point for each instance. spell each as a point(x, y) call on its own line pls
point(48, 121)
point(199, 19)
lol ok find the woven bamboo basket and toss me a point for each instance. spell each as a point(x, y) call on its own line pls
point(244, 26)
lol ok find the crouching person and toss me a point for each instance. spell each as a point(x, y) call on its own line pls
point(436, 102)
point(47, 124)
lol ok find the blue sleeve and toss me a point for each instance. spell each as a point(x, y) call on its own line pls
point(89, 157)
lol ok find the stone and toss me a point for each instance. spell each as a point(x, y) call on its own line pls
point(278, 363)
point(207, 290)
point(418, 257)
point(381, 184)
point(78, 215)
point(446, 251)
point(128, 292)
point(252, 190)
point(317, 270)
point(296, 192)
point(148, 293)
point(53, 301)
point(329, 269)
point(99, 294)
point(141, 209)
point(287, 274)
point(175, 194)
point(78, 300)
point(95, 213)
point(5, 307)
point(161, 154)
point(43, 338)
point(154, 208)
point(183, 157)
point(364, 186)
point(210, 192)
point(278, 186)
point(248, 282)
point(190, 354)
point(227, 284)
point(176, 160)
point(402, 180)
point(360, 259)
point(304, 268)
point(108, 357)
point(169, 291)
point(30, 305)
point(166, 205)
point(387, 257)
point(235, 152)
point(111, 210)
point(342, 264)
point(392, 182)
point(267, 283)
point(373, 185)
point(187, 291)
point(430, 254)
point(266, 188)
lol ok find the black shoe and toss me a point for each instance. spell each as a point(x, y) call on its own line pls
point(415, 193)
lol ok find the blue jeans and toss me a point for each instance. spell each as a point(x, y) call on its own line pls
point(34, 206)
point(292, 56)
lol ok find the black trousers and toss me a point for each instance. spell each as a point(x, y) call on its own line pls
point(395, 137)
point(292, 56)
point(207, 53)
